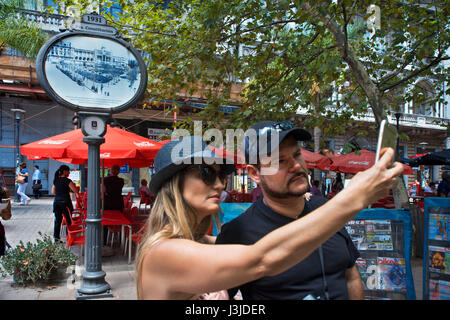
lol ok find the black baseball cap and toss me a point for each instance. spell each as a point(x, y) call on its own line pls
point(264, 130)
point(178, 154)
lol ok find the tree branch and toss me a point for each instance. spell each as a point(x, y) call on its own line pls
point(405, 63)
point(255, 28)
point(436, 61)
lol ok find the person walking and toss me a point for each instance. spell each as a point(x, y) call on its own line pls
point(22, 180)
point(177, 260)
point(328, 272)
point(62, 204)
point(443, 188)
point(36, 182)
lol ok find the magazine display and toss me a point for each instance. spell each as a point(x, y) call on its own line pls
point(437, 246)
point(439, 227)
point(439, 290)
point(381, 266)
point(383, 273)
point(370, 234)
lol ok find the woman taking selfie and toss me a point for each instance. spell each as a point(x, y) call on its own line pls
point(177, 260)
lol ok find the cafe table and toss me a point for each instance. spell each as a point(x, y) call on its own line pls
point(117, 218)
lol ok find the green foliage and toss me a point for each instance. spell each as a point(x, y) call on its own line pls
point(32, 262)
point(17, 32)
point(293, 55)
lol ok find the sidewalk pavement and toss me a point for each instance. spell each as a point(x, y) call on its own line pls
point(28, 220)
point(25, 224)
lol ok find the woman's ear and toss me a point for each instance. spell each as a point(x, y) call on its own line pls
point(253, 173)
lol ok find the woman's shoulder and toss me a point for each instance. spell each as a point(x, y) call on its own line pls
point(169, 252)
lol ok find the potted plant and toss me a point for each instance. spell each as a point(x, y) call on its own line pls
point(36, 262)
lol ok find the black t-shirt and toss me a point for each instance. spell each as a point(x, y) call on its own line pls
point(302, 279)
point(113, 193)
point(443, 187)
point(62, 189)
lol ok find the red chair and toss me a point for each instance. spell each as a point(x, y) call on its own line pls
point(145, 200)
point(136, 236)
point(117, 229)
point(77, 217)
point(75, 234)
point(127, 199)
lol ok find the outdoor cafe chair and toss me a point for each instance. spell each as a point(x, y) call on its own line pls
point(145, 200)
point(127, 199)
point(136, 236)
point(75, 235)
point(117, 229)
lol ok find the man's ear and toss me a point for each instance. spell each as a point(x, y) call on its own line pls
point(253, 173)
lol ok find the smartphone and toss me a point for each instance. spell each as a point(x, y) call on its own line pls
point(387, 137)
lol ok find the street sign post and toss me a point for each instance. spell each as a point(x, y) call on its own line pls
point(93, 72)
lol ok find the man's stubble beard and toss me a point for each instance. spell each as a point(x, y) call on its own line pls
point(284, 195)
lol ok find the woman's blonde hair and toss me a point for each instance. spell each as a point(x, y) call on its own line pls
point(170, 217)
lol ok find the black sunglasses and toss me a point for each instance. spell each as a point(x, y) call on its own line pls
point(208, 174)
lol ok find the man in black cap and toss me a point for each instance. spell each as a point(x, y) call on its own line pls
point(279, 168)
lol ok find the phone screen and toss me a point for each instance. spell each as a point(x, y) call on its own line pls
point(387, 137)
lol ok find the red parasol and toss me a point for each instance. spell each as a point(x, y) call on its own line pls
point(236, 157)
point(120, 147)
point(353, 163)
point(315, 160)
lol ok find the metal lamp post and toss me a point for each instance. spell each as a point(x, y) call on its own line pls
point(397, 151)
point(94, 284)
point(18, 157)
point(65, 78)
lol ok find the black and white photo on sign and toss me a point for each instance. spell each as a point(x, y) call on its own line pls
point(92, 72)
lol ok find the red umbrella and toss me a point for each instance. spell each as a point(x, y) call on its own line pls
point(120, 147)
point(235, 156)
point(315, 160)
point(353, 163)
point(325, 164)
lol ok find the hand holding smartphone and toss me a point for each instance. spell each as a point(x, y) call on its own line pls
point(387, 138)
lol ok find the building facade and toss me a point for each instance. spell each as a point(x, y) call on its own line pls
point(42, 118)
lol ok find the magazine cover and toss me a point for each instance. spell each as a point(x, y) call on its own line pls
point(439, 259)
point(439, 290)
point(378, 235)
point(439, 226)
point(392, 274)
point(369, 274)
point(357, 231)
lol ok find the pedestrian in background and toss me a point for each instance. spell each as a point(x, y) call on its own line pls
point(36, 182)
point(256, 193)
point(143, 189)
point(23, 176)
point(112, 188)
point(315, 188)
point(444, 186)
point(62, 204)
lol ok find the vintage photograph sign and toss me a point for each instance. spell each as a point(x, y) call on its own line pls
point(95, 72)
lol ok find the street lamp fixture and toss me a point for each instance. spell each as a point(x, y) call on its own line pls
point(423, 144)
point(17, 113)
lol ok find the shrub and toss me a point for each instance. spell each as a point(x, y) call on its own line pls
point(32, 262)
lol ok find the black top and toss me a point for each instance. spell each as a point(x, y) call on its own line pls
point(302, 279)
point(113, 193)
point(443, 187)
point(62, 189)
